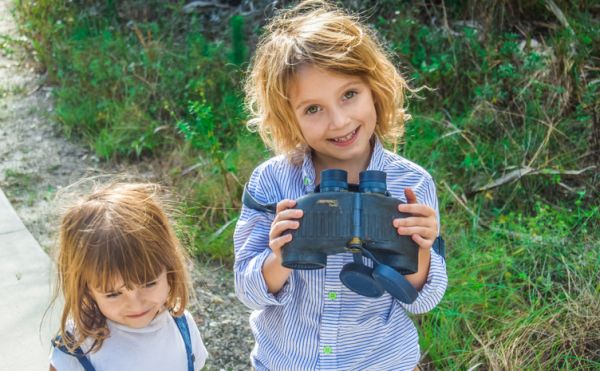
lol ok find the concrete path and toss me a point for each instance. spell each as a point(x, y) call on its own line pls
point(25, 276)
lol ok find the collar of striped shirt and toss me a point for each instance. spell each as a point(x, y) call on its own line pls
point(308, 170)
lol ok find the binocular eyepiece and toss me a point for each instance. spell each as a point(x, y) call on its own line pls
point(370, 181)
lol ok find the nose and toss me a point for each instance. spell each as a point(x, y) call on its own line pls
point(134, 298)
point(338, 118)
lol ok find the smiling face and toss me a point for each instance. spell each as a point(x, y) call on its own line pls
point(337, 117)
point(134, 308)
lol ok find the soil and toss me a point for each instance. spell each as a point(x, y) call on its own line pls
point(37, 165)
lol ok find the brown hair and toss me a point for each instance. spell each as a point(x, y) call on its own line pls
point(315, 32)
point(119, 231)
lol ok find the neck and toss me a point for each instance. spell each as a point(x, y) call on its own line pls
point(353, 168)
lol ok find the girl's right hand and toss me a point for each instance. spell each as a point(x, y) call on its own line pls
point(284, 219)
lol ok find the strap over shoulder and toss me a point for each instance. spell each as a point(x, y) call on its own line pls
point(58, 343)
point(250, 202)
point(439, 246)
point(184, 329)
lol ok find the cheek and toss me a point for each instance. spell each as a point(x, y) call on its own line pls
point(163, 292)
point(106, 308)
point(370, 110)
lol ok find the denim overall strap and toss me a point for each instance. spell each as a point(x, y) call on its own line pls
point(182, 325)
point(78, 353)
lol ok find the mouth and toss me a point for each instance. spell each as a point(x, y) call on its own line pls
point(138, 315)
point(346, 139)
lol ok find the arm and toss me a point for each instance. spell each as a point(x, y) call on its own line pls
point(431, 279)
point(260, 280)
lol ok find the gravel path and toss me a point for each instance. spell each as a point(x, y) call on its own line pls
point(36, 162)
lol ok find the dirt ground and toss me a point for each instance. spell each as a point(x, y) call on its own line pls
point(37, 163)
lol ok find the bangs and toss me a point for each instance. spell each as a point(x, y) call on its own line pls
point(124, 260)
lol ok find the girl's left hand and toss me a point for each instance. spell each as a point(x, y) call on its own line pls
point(421, 226)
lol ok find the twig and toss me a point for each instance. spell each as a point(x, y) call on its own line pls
point(188, 8)
point(484, 346)
point(519, 173)
point(544, 142)
point(456, 130)
point(559, 14)
point(221, 230)
point(462, 203)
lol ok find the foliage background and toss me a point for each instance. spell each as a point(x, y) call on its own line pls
point(508, 125)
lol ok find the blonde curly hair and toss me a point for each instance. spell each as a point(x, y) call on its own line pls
point(317, 33)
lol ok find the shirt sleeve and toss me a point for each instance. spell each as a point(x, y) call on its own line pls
point(198, 348)
point(437, 279)
point(64, 362)
point(251, 242)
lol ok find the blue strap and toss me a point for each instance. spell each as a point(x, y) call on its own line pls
point(252, 203)
point(78, 353)
point(439, 246)
point(182, 325)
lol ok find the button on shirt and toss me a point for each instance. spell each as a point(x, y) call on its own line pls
point(314, 321)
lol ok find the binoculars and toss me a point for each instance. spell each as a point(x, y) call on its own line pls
point(340, 217)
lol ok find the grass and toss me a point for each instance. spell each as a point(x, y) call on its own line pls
point(22, 184)
point(509, 88)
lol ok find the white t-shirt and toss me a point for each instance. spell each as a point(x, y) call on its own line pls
point(158, 346)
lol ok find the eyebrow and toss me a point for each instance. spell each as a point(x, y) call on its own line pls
point(355, 80)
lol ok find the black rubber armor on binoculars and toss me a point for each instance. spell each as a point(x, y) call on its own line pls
point(340, 218)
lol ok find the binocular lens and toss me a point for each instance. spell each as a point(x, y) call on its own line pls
point(334, 180)
point(372, 181)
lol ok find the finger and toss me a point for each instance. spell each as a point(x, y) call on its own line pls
point(424, 232)
point(417, 209)
point(278, 228)
point(278, 243)
point(422, 242)
point(285, 204)
point(411, 197)
point(288, 214)
point(414, 221)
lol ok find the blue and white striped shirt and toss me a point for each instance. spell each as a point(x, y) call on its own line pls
point(315, 322)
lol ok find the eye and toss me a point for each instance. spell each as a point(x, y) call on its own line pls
point(311, 110)
point(112, 295)
point(150, 284)
point(350, 94)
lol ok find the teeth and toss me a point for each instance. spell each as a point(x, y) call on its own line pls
point(345, 138)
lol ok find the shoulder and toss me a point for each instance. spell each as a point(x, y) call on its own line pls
point(403, 173)
point(190, 319)
point(395, 163)
point(275, 166)
point(199, 349)
point(64, 362)
point(269, 179)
